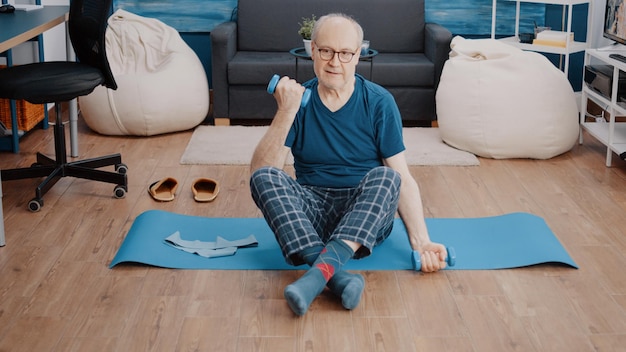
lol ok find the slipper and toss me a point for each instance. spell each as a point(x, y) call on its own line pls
point(204, 189)
point(164, 190)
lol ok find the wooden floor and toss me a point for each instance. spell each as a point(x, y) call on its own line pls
point(57, 293)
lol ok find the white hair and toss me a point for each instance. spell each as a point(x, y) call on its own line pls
point(320, 22)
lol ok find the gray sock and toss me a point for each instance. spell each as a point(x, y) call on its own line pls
point(301, 293)
point(349, 287)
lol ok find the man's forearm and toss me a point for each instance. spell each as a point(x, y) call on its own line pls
point(411, 211)
point(271, 150)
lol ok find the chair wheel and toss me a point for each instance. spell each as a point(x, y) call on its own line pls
point(119, 192)
point(121, 168)
point(35, 205)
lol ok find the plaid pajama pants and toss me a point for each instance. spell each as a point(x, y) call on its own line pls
point(307, 216)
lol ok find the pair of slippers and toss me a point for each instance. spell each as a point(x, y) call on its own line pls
point(204, 189)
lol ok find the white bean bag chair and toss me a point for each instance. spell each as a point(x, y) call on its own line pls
point(497, 101)
point(162, 86)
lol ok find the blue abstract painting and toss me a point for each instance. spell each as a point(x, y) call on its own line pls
point(461, 17)
point(473, 17)
point(184, 15)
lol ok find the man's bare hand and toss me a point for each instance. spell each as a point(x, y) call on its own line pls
point(433, 257)
point(288, 95)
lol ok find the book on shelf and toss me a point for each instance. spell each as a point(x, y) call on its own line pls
point(553, 38)
point(549, 43)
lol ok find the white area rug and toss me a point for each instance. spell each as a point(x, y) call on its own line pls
point(233, 145)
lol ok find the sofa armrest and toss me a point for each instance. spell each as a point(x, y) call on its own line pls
point(437, 47)
point(223, 48)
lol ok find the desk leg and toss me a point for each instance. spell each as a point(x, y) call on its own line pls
point(73, 108)
point(73, 128)
point(15, 136)
point(2, 241)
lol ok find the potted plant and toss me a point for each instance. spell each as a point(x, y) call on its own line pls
point(305, 31)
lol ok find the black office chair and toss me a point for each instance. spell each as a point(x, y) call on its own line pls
point(56, 82)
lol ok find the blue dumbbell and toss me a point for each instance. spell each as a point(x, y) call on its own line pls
point(417, 261)
point(271, 87)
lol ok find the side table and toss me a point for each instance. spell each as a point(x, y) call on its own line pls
point(300, 54)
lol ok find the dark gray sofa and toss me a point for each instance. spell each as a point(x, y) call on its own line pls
point(248, 51)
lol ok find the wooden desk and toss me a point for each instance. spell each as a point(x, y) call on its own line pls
point(19, 27)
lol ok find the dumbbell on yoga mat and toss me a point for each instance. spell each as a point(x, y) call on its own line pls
point(417, 260)
point(271, 87)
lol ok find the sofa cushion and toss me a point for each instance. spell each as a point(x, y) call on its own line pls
point(403, 70)
point(260, 21)
point(257, 67)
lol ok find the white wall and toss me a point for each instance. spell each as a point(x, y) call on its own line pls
point(597, 18)
point(54, 39)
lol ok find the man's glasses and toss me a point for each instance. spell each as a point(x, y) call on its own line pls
point(328, 54)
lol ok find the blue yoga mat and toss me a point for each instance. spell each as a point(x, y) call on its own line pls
point(498, 242)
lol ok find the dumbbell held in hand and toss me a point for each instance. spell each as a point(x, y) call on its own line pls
point(417, 260)
point(271, 87)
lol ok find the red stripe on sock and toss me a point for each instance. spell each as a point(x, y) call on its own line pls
point(327, 270)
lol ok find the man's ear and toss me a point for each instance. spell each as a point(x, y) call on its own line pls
point(312, 50)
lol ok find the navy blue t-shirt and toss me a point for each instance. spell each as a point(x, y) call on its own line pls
point(336, 149)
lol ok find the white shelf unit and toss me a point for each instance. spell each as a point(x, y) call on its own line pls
point(612, 134)
point(566, 26)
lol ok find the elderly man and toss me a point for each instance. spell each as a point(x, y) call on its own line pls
point(351, 171)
